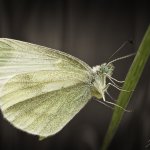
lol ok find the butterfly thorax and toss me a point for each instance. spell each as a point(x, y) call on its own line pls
point(101, 72)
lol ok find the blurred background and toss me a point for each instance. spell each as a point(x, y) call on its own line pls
point(91, 30)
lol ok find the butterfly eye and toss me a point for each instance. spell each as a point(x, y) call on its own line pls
point(105, 69)
point(101, 70)
point(109, 69)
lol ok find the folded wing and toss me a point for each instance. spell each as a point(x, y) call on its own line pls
point(41, 89)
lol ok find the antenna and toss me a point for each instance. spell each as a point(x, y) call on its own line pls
point(120, 58)
point(122, 45)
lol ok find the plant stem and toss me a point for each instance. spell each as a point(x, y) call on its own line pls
point(131, 81)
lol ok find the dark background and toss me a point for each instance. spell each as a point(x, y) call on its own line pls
point(91, 30)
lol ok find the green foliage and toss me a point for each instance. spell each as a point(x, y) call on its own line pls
point(131, 81)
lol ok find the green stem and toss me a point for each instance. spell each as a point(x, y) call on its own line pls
point(131, 81)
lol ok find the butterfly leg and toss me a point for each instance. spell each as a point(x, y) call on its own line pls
point(120, 89)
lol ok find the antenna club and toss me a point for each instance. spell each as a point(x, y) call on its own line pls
point(131, 41)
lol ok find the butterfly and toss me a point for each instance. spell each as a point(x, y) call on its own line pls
point(42, 89)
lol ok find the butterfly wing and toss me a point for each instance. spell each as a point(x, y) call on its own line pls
point(41, 89)
point(43, 107)
point(18, 57)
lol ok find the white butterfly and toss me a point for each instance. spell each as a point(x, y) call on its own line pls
point(42, 89)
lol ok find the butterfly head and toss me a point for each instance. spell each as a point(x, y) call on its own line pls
point(101, 72)
point(104, 69)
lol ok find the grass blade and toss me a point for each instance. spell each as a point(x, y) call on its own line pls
point(131, 81)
